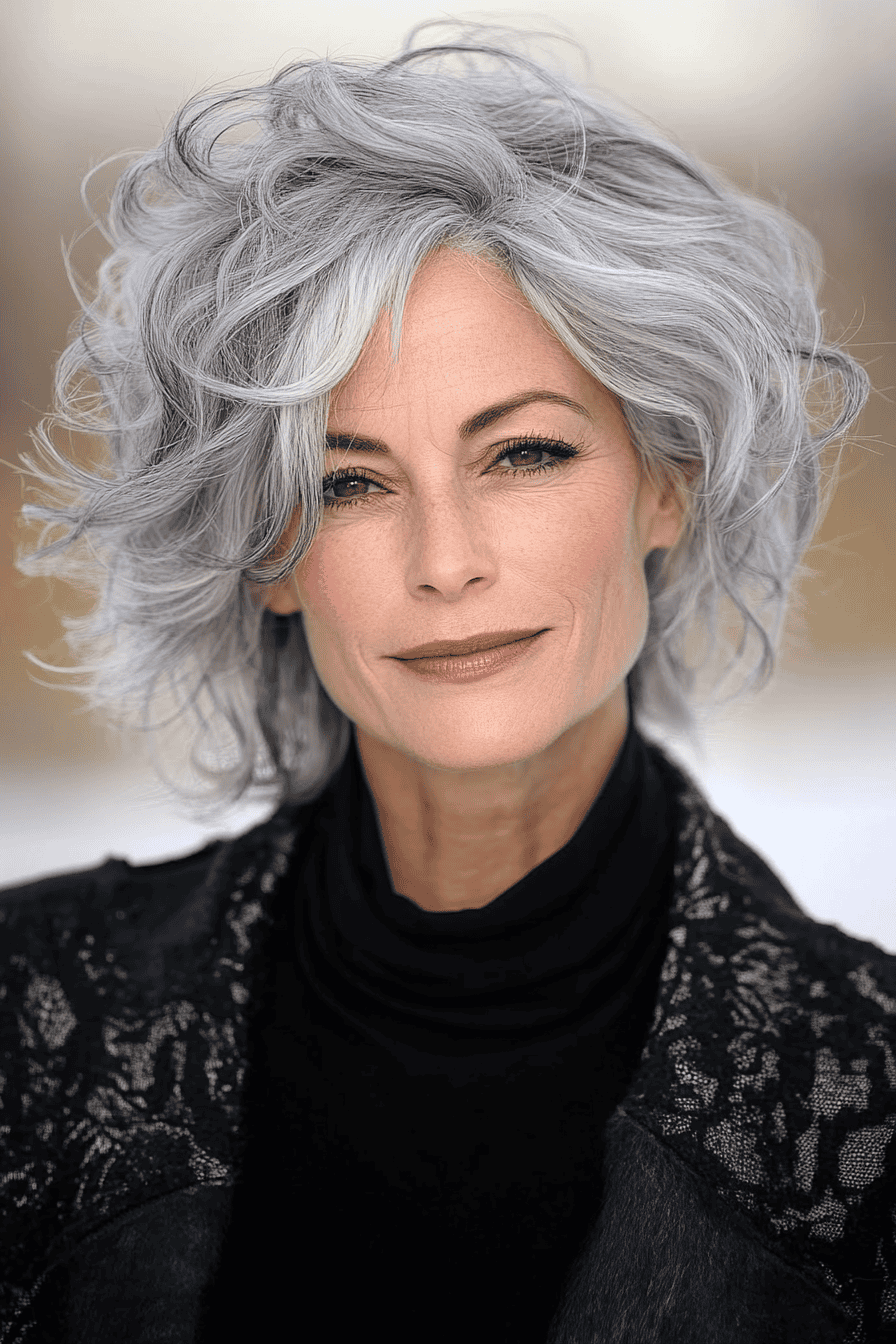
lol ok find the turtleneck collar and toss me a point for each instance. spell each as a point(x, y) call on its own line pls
point(560, 946)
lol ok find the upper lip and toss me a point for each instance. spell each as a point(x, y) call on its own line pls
point(490, 639)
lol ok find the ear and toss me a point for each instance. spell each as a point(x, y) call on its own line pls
point(666, 521)
point(281, 598)
point(666, 508)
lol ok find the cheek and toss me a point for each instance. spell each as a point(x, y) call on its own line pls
point(602, 575)
point(593, 552)
point(333, 582)
point(342, 597)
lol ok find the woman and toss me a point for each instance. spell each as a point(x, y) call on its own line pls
point(443, 407)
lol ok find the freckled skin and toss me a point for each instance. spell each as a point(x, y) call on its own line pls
point(475, 784)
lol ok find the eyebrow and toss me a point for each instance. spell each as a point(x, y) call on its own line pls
point(470, 427)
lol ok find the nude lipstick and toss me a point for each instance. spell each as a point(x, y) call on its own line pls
point(485, 658)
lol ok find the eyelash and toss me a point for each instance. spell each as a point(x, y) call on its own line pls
point(558, 448)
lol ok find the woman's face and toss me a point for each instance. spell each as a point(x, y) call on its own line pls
point(440, 539)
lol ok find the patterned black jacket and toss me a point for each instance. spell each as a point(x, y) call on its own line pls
point(750, 1171)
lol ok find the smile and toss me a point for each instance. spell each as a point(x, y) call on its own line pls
point(466, 667)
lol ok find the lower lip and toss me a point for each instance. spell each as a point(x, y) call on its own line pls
point(470, 666)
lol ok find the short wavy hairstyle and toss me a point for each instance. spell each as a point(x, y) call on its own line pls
point(251, 254)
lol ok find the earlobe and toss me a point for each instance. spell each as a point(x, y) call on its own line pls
point(283, 598)
point(672, 519)
point(280, 598)
point(667, 522)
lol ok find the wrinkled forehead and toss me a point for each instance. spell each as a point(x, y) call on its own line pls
point(467, 335)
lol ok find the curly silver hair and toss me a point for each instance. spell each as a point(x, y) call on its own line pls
point(252, 253)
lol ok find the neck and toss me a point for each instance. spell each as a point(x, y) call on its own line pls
point(457, 839)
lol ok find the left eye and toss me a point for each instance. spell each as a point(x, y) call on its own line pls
point(557, 452)
point(526, 448)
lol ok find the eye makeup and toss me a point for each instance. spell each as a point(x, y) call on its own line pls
point(557, 449)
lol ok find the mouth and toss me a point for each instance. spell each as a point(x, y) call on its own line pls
point(455, 648)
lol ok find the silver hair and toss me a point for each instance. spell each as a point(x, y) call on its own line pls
point(251, 254)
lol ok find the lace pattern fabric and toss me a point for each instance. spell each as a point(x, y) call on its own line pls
point(769, 1068)
point(123, 1052)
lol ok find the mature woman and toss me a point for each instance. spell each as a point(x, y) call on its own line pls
point(444, 404)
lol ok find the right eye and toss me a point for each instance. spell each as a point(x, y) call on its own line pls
point(347, 477)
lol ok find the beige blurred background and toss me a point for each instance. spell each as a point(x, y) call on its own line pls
point(794, 100)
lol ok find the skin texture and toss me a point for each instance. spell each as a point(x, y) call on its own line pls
point(476, 784)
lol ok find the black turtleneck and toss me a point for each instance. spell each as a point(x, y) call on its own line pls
point(429, 1089)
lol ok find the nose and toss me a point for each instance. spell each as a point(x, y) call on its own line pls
point(449, 547)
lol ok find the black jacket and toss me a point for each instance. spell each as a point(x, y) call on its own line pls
point(749, 1175)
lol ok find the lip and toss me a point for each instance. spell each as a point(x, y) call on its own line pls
point(453, 648)
point(466, 667)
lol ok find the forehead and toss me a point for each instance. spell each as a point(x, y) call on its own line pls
point(467, 334)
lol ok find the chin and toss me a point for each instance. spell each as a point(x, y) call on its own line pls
point(474, 745)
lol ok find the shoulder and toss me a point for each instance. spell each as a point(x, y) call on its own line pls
point(718, 875)
point(43, 918)
point(744, 955)
point(78, 948)
point(121, 935)
point(770, 1067)
point(49, 907)
point(122, 1032)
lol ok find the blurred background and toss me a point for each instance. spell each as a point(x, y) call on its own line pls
point(794, 99)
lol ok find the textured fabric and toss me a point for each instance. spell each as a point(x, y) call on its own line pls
point(792, 1121)
point(764, 1100)
point(667, 1263)
point(431, 1088)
